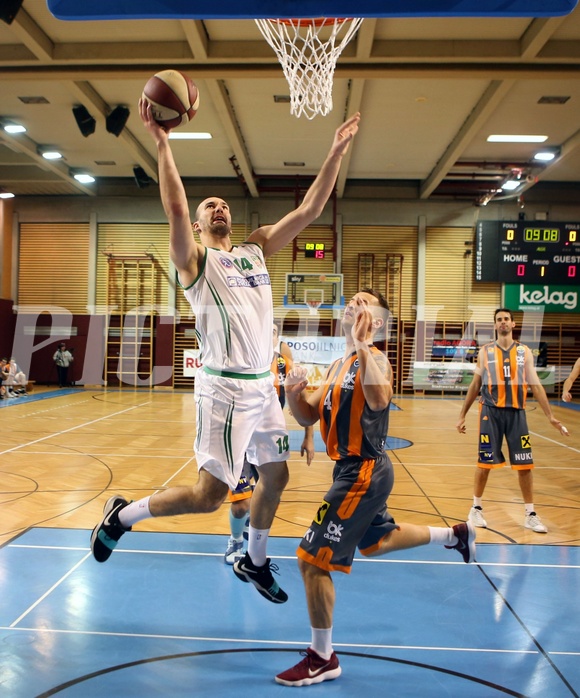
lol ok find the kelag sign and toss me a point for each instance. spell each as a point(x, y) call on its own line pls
point(553, 299)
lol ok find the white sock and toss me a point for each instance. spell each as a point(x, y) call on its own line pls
point(322, 642)
point(237, 526)
point(529, 508)
point(134, 512)
point(442, 536)
point(257, 541)
point(477, 502)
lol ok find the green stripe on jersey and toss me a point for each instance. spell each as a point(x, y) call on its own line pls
point(228, 438)
point(223, 314)
point(233, 374)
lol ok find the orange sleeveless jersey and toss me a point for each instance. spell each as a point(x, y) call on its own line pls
point(280, 367)
point(503, 381)
point(347, 425)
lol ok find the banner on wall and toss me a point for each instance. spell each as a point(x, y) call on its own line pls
point(441, 375)
point(316, 350)
point(191, 362)
point(457, 376)
point(550, 299)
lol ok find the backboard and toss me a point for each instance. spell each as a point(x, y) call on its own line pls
point(304, 289)
point(258, 9)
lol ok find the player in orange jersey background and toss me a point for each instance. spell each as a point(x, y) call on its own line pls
point(505, 368)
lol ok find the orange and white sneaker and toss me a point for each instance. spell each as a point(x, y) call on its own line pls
point(312, 669)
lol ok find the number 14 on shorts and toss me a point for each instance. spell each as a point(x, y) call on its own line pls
point(283, 444)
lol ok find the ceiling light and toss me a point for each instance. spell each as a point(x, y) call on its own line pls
point(49, 153)
point(547, 154)
point(190, 136)
point(510, 185)
point(6, 195)
point(500, 138)
point(11, 127)
point(84, 178)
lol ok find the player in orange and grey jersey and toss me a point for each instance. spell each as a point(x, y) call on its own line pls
point(503, 380)
point(353, 406)
point(347, 424)
point(505, 369)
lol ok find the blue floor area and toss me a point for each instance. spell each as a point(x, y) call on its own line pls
point(166, 617)
point(297, 435)
point(36, 397)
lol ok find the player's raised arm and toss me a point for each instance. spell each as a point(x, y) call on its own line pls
point(375, 371)
point(183, 249)
point(304, 408)
point(273, 238)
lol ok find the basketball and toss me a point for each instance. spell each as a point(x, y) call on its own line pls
point(173, 96)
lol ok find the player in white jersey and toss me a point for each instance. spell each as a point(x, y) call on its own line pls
point(237, 406)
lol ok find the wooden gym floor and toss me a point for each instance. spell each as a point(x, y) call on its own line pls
point(69, 626)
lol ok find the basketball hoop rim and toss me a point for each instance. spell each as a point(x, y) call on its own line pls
point(313, 21)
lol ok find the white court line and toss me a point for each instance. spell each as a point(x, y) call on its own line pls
point(553, 441)
point(78, 426)
point(285, 643)
point(474, 464)
point(49, 591)
point(176, 473)
point(382, 561)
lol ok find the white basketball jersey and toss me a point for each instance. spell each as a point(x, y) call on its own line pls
point(232, 302)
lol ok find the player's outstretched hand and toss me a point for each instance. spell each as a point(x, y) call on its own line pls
point(344, 134)
point(155, 129)
point(307, 449)
point(363, 321)
point(296, 380)
point(559, 426)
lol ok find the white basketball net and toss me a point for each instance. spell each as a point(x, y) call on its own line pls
point(308, 61)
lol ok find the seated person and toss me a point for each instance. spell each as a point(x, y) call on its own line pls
point(17, 378)
point(4, 374)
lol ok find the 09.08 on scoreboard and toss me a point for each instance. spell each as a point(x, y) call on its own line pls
point(527, 252)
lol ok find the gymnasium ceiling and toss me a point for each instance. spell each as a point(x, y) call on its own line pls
point(430, 92)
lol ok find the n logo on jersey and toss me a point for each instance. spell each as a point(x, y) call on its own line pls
point(321, 513)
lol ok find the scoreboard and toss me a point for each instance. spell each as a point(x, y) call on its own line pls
point(527, 252)
point(315, 250)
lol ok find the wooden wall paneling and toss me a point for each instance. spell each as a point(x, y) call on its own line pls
point(126, 239)
point(53, 265)
point(382, 241)
point(449, 277)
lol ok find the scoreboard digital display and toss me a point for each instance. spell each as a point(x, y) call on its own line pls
point(314, 250)
point(527, 252)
